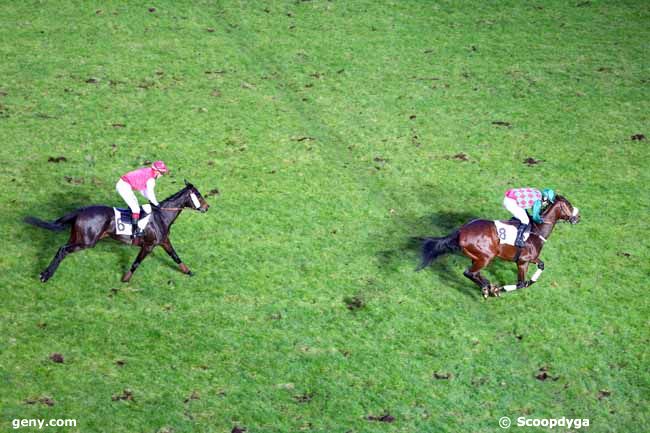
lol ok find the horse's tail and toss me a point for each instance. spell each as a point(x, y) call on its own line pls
point(58, 225)
point(434, 247)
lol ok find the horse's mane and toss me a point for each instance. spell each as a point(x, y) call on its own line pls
point(178, 193)
point(558, 199)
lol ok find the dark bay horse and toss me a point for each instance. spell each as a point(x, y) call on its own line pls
point(479, 241)
point(94, 223)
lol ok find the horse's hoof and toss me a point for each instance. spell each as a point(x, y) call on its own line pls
point(44, 277)
point(190, 273)
point(126, 277)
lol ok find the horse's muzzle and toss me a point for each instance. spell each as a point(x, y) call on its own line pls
point(575, 217)
point(204, 209)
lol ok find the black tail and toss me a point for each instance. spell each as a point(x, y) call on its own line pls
point(434, 247)
point(57, 226)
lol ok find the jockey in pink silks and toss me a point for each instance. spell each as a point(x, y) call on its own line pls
point(517, 200)
point(143, 180)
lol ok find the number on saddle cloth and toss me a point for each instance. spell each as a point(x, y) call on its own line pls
point(507, 232)
point(124, 221)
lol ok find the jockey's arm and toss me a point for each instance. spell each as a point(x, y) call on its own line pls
point(537, 208)
point(149, 193)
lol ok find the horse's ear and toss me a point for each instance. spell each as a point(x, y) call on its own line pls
point(186, 182)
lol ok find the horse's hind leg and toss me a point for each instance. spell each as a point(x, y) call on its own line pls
point(81, 237)
point(144, 251)
point(58, 257)
point(473, 274)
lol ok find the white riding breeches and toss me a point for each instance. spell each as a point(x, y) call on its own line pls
point(511, 206)
point(126, 192)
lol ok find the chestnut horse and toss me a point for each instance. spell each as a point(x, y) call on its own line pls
point(479, 241)
point(94, 223)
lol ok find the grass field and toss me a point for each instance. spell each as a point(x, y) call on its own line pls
point(335, 131)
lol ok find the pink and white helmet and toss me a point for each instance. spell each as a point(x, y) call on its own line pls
point(160, 166)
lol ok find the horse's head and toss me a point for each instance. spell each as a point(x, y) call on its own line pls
point(193, 198)
point(562, 209)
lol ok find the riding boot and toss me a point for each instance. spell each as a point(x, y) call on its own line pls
point(519, 241)
point(136, 232)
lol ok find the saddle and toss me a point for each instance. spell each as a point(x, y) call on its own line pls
point(507, 231)
point(124, 221)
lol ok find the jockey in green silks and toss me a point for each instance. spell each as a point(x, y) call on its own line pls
point(517, 200)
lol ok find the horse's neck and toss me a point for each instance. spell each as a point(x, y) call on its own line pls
point(169, 216)
point(545, 229)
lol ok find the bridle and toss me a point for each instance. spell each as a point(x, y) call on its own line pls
point(574, 214)
point(195, 202)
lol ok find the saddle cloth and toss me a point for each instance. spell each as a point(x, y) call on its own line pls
point(123, 225)
point(507, 233)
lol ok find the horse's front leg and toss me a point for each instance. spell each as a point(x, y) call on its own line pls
point(538, 272)
point(522, 269)
point(167, 246)
point(144, 251)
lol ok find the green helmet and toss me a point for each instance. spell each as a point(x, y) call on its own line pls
point(548, 194)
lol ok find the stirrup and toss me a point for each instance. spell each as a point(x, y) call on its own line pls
point(136, 232)
point(521, 230)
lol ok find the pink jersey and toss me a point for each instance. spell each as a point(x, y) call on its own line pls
point(138, 178)
point(525, 197)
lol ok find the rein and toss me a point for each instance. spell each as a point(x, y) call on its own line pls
point(543, 239)
point(540, 236)
point(195, 201)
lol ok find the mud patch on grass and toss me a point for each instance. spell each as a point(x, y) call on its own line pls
point(532, 161)
point(48, 401)
point(74, 180)
point(303, 398)
point(354, 303)
point(543, 375)
point(385, 417)
point(127, 395)
point(57, 358)
point(603, 393)
point(193, 396)
point(461, 156)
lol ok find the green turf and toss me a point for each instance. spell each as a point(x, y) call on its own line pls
point(333, 130)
